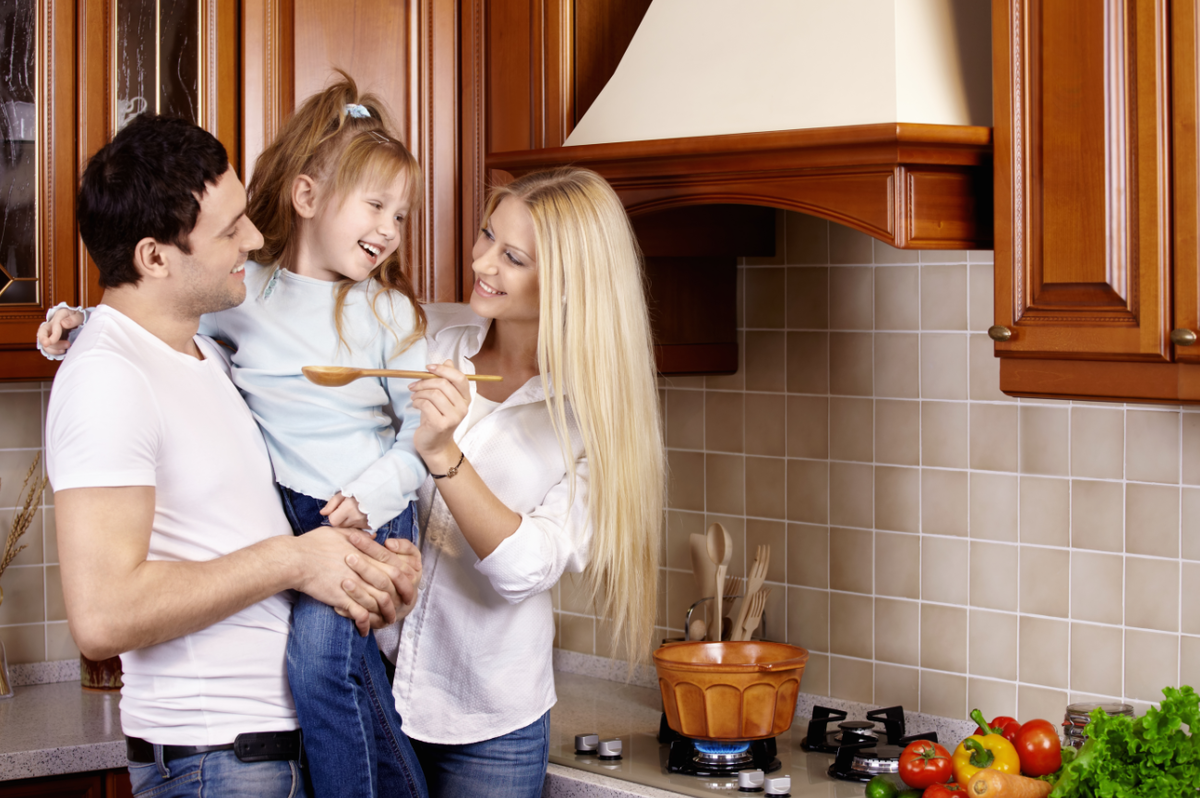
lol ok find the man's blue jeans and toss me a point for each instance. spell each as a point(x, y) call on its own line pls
point(217, 773)
point(352, 733)
point(510, 766)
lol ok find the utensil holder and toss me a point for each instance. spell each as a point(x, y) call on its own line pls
point(762, 625)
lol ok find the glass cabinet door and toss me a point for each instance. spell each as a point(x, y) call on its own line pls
point(19, 284)
point(157, 59)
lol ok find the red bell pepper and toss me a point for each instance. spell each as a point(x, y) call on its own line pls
point(1004, 725)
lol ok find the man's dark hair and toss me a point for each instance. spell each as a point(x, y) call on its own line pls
point(146, 182)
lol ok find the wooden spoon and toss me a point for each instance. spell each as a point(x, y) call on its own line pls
point(720, 549)
point(335, 376)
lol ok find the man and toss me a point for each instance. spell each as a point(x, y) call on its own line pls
point(174, 549)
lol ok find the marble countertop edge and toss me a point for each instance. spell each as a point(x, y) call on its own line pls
point(63, 760)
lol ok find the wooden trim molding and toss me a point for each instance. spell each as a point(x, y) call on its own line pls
point(1101, 380)
point(911, 186)
point(268, 75)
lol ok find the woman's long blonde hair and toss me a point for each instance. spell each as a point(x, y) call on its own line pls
point(595, 351)
point(342, 151)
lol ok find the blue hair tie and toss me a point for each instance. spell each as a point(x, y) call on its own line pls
point(357, 111)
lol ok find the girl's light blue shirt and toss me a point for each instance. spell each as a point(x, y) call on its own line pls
point(357, 439)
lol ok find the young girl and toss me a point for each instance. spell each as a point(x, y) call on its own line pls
point(330, 196)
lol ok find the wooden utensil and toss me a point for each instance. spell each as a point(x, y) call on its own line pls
point(717, 625)
point(735, 587)
point(758, 575)
point(336, 376)
point(720, 548)
point(704, 569)
point(757, 604)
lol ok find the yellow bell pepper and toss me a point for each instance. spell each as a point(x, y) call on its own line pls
point(985, 750)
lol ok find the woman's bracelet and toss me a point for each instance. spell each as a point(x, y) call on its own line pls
point(462, 456)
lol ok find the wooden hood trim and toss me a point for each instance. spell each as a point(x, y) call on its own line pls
point(911, 186)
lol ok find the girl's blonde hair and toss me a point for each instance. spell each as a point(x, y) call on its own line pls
point(327, 142)
point(595, 350)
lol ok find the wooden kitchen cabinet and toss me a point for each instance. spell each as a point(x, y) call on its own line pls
point(98, 784)
point(78, 89)
point(1096, 291)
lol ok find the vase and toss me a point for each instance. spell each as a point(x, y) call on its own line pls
point(6, 689)
point(103, 676)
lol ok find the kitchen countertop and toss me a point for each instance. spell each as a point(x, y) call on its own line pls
point(58, 728)
point(49, 729)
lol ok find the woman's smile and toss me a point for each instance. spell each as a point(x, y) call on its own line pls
point(486, 289)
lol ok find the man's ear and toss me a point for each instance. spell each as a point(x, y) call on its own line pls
point(304, 196)
point(151, 259)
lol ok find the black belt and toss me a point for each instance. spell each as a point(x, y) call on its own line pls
point(250, 747)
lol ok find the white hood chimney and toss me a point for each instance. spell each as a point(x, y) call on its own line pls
point(715, 67)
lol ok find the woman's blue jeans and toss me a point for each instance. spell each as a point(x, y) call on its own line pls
point(353, 738)
point(511, 766)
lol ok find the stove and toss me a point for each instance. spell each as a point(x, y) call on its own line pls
point(862, 749)
point(664, 760)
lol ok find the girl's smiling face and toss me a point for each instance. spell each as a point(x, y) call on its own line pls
point(350, 236)
point(505, 265)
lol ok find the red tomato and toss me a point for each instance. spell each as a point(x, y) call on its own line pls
point(923, 763)
point(944, 791)
point(1039, 748)
point(1009, 727)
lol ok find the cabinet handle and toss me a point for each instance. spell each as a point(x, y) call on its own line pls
point(1183, 337)
point(998, 333)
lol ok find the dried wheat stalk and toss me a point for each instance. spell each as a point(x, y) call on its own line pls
point(24, 516)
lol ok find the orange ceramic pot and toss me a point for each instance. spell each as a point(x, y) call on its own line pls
point(730, 691)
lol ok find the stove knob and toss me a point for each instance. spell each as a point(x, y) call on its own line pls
point(586, 743)
point(779, 785)
point(750, 781)
point(610, 749)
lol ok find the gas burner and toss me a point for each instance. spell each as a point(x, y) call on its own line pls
point(686, 757)
point(821, 740)
point(712, 758)
point(711, 754)
point(861, 757)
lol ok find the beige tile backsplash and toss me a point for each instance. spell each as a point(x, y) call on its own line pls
point(934, 542)
point(946, 545)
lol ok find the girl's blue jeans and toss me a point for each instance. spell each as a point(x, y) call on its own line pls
point(353, 738)
point(510, 766)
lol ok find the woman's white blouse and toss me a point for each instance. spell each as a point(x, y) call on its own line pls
point(475, 654)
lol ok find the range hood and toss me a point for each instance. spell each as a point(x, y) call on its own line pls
point(874, 114)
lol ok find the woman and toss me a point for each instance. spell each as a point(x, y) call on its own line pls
point(559, 467)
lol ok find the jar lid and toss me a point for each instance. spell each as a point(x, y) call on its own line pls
point(1079, 714)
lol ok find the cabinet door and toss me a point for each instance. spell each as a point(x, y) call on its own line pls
point(1185, 100)
point(1082, 132)
point(37, 176)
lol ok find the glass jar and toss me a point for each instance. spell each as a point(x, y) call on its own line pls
point(1079, 715)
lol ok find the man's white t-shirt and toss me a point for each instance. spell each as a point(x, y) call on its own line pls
point(126, 409)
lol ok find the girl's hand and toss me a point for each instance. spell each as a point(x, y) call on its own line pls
point(443, 401)
point(52, 335)
point(343, 511)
